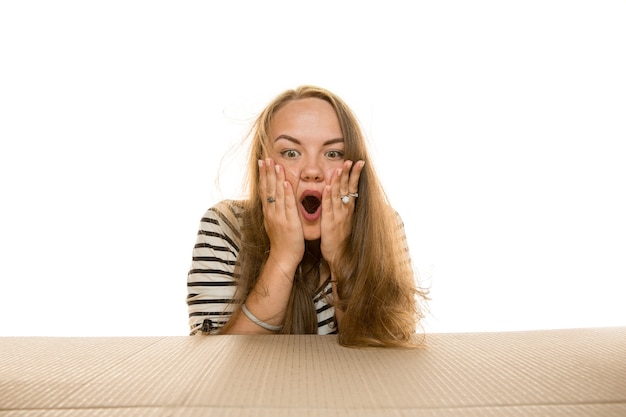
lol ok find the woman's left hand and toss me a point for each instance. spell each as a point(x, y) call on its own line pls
point(336, 223)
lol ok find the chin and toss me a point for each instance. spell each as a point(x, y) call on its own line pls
point(312, 232)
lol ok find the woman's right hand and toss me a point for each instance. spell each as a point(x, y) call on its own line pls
point(280, 213)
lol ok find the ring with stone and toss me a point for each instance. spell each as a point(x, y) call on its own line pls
point(271, 199)
point(345, 199)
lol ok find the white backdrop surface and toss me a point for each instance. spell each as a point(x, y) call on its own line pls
point(497, 127)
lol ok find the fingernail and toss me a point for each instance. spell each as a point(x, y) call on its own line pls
point(260, 163)
point(277, 169)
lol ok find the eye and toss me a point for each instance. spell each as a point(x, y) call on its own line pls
point(334, 154)
point(290, 154)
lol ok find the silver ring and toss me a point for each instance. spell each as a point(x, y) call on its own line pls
point(345, 199)
point(271, 199)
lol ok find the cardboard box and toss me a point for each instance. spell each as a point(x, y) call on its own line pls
point(580, 372)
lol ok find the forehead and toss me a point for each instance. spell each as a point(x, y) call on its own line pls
point(305, 119)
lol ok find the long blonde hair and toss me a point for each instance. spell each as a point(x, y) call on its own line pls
point(378, 289)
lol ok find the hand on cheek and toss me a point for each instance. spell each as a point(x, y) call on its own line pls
point(336, 224)
point(280, 213)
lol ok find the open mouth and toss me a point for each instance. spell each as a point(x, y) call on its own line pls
point(311, 203)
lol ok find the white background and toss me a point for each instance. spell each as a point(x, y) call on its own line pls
point(498, 128)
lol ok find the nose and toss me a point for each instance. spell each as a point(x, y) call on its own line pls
point(312, 170)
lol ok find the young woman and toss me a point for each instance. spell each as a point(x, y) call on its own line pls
point(316, 248)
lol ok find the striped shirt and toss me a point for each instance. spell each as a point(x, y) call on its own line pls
point(211, 285)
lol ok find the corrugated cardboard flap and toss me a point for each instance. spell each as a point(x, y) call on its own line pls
point(560, 372)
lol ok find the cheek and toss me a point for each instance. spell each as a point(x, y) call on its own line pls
point(328, 174)
point(292, 175)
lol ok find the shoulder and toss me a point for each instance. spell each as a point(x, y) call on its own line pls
point(398, 218)
point(229, 211)
point(393, 216)
point(223, 220)
point(221, 225)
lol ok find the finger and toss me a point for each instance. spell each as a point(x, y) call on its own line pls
point(343, 188)
point(270, 180)
point(327, 204)
point(285, 194)
point(290, 201)
point(335, 189)
point(355, 174)
point(262, 182)
point(279, 178)
point(281, 202)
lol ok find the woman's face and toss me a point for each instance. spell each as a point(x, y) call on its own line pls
point(306, 140)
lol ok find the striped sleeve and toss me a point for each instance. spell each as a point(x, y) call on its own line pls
point(210, 282)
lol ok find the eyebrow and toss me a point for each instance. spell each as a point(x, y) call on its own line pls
point(298, 142)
